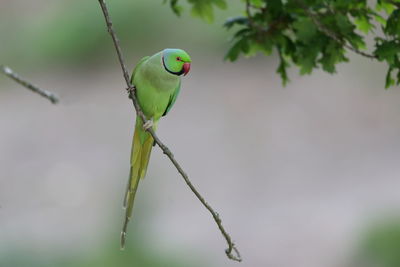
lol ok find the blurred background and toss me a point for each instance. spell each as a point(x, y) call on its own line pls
point(305, 175)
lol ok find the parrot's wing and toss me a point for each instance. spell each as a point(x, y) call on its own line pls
point(137, 67)
point(173, 98)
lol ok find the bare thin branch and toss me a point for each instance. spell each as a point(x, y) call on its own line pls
point(131, 90)
point(46, 94)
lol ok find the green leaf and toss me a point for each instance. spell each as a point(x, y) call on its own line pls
point(398, 77)
point(380, 19)
point(387, 51)
point(257, 3)
point(283, 65)
point(305, 29)
point(363, 24)
point(239, 46)
point(389, 80)
point(305, 56)
point(204, 8)
point(220, 3)
point(267, 46)
point(240, 20)
point(177, 9)
point(357, 41)
point(393, 24)
point(254, 48)
point(344, 24)
point(387, 7)
point(332, 55)
point(240, 33)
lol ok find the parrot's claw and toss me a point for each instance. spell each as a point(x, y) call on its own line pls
point(131, 90)
point(148, 124)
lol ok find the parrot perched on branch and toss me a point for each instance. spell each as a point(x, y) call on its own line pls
point(157, 81)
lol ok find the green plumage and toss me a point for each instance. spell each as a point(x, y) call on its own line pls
point(157, 83)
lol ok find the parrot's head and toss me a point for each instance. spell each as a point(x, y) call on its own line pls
point(176, 61)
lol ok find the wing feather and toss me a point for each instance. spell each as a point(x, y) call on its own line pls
point(138, 66)
point(173, 98)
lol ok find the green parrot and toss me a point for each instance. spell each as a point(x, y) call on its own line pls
point(157, 81)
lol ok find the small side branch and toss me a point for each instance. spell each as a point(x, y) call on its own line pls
point(46, 94)
point(231, 252)
point(321, 27)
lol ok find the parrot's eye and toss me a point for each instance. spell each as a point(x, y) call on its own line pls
point(178, 59)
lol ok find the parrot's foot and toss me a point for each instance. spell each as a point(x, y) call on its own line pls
point(131, 90)
point(148, 125)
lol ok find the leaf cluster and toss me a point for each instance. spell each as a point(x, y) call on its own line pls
point(203, 9)
point(311, 34)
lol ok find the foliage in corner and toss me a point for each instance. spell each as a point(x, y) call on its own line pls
point(379, 244)
point(311, 34)
point(200, 8)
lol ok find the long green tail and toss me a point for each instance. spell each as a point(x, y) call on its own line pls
point(140, 155)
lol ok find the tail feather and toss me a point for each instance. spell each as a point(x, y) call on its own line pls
point(140, 155)
point(145, 156)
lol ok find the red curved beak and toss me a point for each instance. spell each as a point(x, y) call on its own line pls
point(186, 68)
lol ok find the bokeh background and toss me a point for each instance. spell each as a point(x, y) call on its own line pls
point(305, 175)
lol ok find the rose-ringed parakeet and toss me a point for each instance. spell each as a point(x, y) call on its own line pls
point(157, 81)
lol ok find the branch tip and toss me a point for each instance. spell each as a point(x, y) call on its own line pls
point(53, 98)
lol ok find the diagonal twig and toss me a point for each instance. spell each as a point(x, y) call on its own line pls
point(131, 90)
point(321, 27)
point(46, 94)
